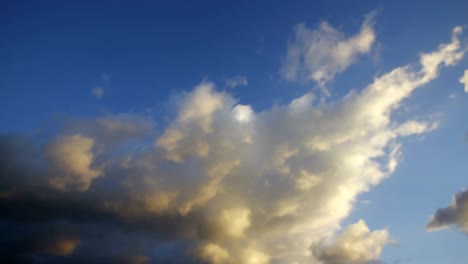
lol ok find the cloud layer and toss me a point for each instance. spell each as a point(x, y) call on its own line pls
point(456, 214)
point(221, 183)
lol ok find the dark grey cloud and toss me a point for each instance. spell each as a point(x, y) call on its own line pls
point(100, 225)
point(456, 214)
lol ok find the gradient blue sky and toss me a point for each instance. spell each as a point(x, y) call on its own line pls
point(143, 53)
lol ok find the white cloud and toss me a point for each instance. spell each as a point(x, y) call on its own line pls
point(464, 80)
point(98, 92)
point(72, 157)
point(355, 244)
point(236, 81)
point(455, 214)
point(322, 53)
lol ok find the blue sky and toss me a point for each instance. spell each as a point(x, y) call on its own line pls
point(163, 70)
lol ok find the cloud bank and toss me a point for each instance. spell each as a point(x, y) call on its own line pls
point(456, 214)
point(221, 183)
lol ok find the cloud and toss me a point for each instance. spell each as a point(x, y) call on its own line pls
point(98, 92)
point(236, 81)
point(213, 253)
point(72, 157)
point(322, 53)
point(456, 214)
point(220, 182)
point(464, 80)
point(53, 240)
point(355, 244)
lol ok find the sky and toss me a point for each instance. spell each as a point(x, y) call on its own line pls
point(251, 132)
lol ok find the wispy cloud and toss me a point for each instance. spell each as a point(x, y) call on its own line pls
point(322, 53)
point(236, 81)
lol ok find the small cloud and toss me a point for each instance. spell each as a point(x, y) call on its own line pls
point(464, 80)
point(320, 54)
point(237, 81)
point(452, 96)
point(98, 92)
point(456, 214)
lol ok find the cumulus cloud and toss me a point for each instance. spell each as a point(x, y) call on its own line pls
point(464, 80)
point(355, 244)
point(456, 214)
point(322, 53)
point(221, 182)
point(236, 81)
